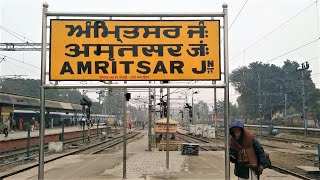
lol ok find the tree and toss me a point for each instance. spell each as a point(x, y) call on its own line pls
point(275, 82)
point(113, 101)
point(31, 87)
point(233, 109)
point(201, 110)
point(27, 87)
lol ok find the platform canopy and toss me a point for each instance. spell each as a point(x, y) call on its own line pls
point(164, 121)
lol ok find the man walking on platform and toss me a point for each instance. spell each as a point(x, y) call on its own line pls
point(246, 152)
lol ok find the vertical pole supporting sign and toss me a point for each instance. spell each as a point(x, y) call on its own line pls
point(125, 135)
point(226, 91)
point(167, 140)
point(42, 90)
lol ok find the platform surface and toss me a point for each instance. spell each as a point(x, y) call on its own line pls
point(141, 164)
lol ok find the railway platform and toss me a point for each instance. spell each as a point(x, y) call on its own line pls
point(18, 139)
point(48, 131)
point(141, 164)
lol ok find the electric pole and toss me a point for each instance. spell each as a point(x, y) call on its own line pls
point(285, 108)
point(260, 106)
point(304, 67)
point(196, 92)
point(150, 119)
point(185, 110)
point(161, 101)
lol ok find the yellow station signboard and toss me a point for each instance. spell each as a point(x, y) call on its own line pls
point(134, 50)
point(161, 128)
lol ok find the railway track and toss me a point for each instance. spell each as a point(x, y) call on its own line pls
point(96, 149)
point(92, 149)
point(281, 140)
point(290, 140)
point(202, 140)
point(285, 171)
point(19, 154)
point(68, 141)
point(191, 139)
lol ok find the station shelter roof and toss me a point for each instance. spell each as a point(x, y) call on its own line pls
point(32, 102)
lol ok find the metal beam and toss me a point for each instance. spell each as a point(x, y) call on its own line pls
point(285, 128)
point(21, 46)
point(102, 86)
point(135, 14)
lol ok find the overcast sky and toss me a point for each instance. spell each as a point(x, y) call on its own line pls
point(258, 18)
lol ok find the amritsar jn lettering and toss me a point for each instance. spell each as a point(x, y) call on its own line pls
point(134, 50)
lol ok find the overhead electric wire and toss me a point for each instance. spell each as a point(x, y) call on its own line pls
point(238, 15)
point(315, 58)
point(20, 61)
point(295, 49)
point(21, 67)
point(23, 40)
point(302, 46)
point(278, 27)
point(288, 52)
point(236, 18)
point(317, 74)
point(184, 88)
point(11, 32)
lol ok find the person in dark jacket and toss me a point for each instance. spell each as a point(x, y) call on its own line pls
point(32, 123)
point(251, 166)
point(5, 129)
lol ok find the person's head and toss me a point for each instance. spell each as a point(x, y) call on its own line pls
point(236, 130)
point(33, 118)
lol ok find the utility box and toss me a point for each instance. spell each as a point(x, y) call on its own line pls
point(205, 130)
point(55, 146)
point(190, 149)
point(199, 128)
point(192, 129)
point(211, 133)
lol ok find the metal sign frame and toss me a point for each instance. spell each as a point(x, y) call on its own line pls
point(44, 86)
point(77, 55)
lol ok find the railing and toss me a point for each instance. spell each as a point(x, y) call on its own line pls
point(284, 127)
